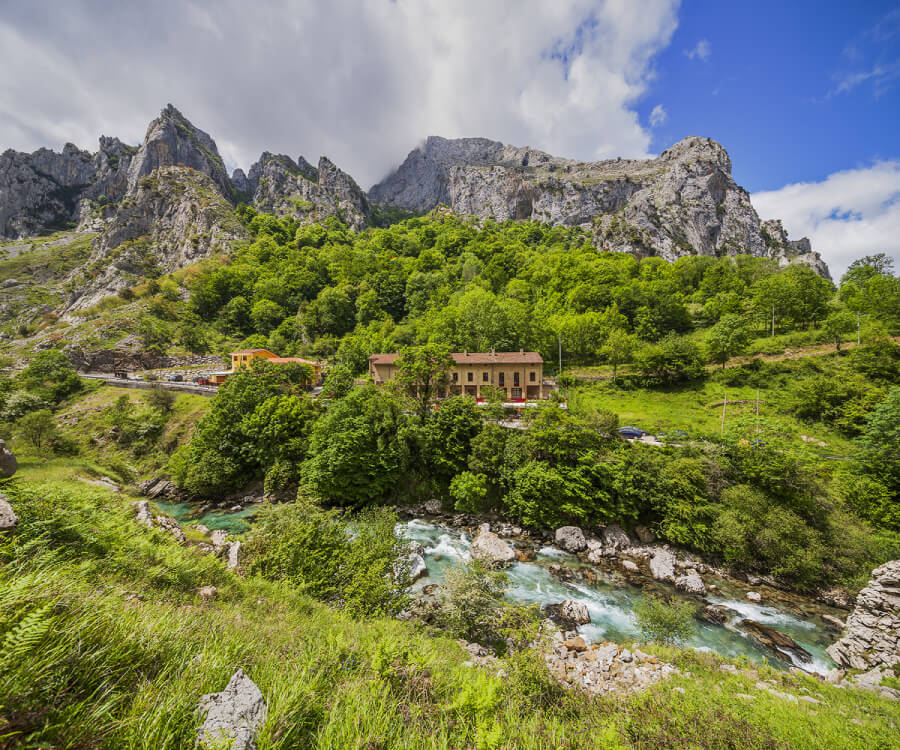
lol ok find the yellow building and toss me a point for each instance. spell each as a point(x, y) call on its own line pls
point(519, 376)
point(244, 357)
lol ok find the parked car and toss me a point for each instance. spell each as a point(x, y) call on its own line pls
point(203, 380)
point(631, 433)
point(174, 378)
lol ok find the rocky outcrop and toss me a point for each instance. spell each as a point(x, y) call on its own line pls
point(234, 716)
point(174, 217)
point(142, 513)
point(873, 627)
point(568, 614)
point(8, 518)
point(682, 202)
point(691, 583)
point(284, 187)
point(615, 538)
point(8, 463)
point(570, 538)
point(787, 251)
point(491, 548)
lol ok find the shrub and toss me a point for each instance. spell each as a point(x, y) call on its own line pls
point(161, 399)
point(665, 622)
point(469, 491)
point(472, 601)
point(51, 376)
point(38, 428)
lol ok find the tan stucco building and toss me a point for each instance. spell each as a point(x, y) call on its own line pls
point(518, 375)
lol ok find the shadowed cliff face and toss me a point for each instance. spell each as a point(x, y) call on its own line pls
point(682, 202)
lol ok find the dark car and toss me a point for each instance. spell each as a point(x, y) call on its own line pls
point(630, 433)
point(174, 378)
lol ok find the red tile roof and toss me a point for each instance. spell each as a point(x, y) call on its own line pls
point(474, 358)
point(253, 351)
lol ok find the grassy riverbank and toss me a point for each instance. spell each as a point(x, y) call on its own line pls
point(108, 644)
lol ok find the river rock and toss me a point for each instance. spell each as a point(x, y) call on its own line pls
point(596, 552)
point(233, 716)
point(715, 614)
point(8, 519)
point(8, 463)
point(630, 566)
point(833, 622)
point(570, 538)
point(172, 526)
point(492, 549)
point(691, 583)
point(433, 507)
point(615, 538)
point(142, 513)
point(777, 642)
point(873, 627)
point(219, 539)
point(753, 596)
point(415, 564)
point(571, 613)
point(662, 565)
point(233, 556)
point(644, 535)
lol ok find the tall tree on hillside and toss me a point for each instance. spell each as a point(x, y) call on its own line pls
point(618, 348)
point(423, 373)
point(837, 325)
point(727, 338)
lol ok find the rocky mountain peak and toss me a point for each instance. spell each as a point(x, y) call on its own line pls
point(698, 149)
point(172, 140)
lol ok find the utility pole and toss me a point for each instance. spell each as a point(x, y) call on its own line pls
point(724, 406)
point(559, 337)
point(757, 415)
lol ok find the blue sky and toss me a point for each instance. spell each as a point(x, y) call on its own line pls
point(794, 90)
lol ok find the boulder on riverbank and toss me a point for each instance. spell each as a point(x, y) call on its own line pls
point(570, 538)
point(662, 565)
point(691, 583)
point(873, 627)
point(568, 614)
point(8, 518)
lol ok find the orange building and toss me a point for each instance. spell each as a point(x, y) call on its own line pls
point(244, 357)
point(518, 375)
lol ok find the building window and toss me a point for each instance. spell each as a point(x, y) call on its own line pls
point(484, 377)
point(515, 378)
point(516, 393)
point(471, 377)
point(502, 379)
point(531, 376)
point(455, 377)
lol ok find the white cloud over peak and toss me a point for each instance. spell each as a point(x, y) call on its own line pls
point(658, 116)
point(701, 52)
point(847, 215)
point(362, 82)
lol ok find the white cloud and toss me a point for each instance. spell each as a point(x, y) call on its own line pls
point(362, 82)
point(846, 216)
point(701, 52)
point(658, 116)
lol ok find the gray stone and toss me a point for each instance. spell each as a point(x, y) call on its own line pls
point(570, 538)
point(615, 538)
point(753, 596)
point(8, 463)
point(644, 535)
point(433, 507)
point(872, 638)
point(235, 715)
point(8, 518)
point(492, 549)
point(218, 538)
point(630, 566)
point(662, 565)
point(142, 513)
point(575, 612)
point(232, 559)
point(691, 583)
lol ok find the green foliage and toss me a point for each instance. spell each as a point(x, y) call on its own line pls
point(469, 492)
point(665, 622)
point(50, 376)
point(161, 399)
point(423, 373)
point(727, 338)
point(359, 450)
point(672, 360)
point(472, 601)
point(351, 565)
point(837, 325)
point(618, 348)
point(38, 428)
point(338, 382)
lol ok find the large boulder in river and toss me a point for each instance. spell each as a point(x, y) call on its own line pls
point(234, 716)
point(568, 614)
point(490, 548)
point(873, 627)
point(777, 642)
point(662, 565)
point(8, 463)
point(570, 538)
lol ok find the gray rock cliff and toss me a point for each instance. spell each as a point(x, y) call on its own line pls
point(682, 202)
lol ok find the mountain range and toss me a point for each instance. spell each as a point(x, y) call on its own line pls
point(170, 197)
